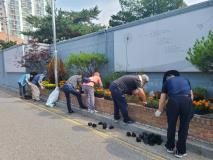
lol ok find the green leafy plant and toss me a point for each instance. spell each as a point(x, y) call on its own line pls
point(152, 102)
point(86, 62)
point(5, 44)
point(111, 77)
point(199, 93)
point(201, 55)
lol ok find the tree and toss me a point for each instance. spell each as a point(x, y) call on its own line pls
point(4, 44)
point(36, 57)
point(61, 70)
point(201, 54)
point(86, 62)
point(68, 24)
point(138, 9)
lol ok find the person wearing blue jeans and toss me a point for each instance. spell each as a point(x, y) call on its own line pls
point(177, 91)
point(70, 87)
point(128, 84)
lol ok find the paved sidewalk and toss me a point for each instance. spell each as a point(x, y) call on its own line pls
point(82, 117)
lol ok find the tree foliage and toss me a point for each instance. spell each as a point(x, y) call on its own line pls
point(6, 44)
point(61, 70)
point(69, 24)
point(138, 9)
point(86, 62)
point(35, 58)
point(201, 54)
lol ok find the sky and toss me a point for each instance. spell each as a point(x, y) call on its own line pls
point(107, 7)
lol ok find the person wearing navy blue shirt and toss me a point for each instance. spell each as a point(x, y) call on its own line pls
point(177, 96)
point(35, 84)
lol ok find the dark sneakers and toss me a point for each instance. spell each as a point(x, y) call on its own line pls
point(83, 107)
point(71, 111)
point(128, 121)
point(180, 155)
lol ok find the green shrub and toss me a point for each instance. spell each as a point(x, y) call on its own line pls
point(152, 103)
point(201, 55)
point(199, 93)
point(111, 77)
point(85, 62)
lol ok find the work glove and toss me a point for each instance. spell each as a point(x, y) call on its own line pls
point(158, 113)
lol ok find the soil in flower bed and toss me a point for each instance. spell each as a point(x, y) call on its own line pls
point(108, 98)
point(99, 95)
point(203, 112)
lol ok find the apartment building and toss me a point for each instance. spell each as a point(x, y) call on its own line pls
point(14, 12)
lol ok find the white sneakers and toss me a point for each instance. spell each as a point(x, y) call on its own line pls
point(92, 111)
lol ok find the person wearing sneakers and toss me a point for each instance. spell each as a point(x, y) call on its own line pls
point(88, 88)
point(177, 91)
point(127, 84)
point(70, 87)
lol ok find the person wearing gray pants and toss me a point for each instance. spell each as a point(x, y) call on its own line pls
point(88, 88)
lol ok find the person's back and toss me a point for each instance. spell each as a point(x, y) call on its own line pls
point(38, 78)
point(128, 83)
point(23, 79)
point(74, 80)
point(177, 86)
point(95, 79)
point(176, 96)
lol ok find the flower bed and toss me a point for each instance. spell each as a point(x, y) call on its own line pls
point(99, 92)
point(107, 94)
point(202, 107)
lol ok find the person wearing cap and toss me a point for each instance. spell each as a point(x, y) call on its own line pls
point(70, 87)
point(131, 85)
point(22, 82)
point(35, 84)
point(177, 96)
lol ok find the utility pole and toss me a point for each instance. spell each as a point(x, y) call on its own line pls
point(54, 44)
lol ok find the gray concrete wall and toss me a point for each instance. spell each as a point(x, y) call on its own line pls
point(100, 42)
point(199, 79)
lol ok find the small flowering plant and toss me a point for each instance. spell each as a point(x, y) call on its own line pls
point(202, 105)
point(107, 94)
point(152, 102)
point(99, 92)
